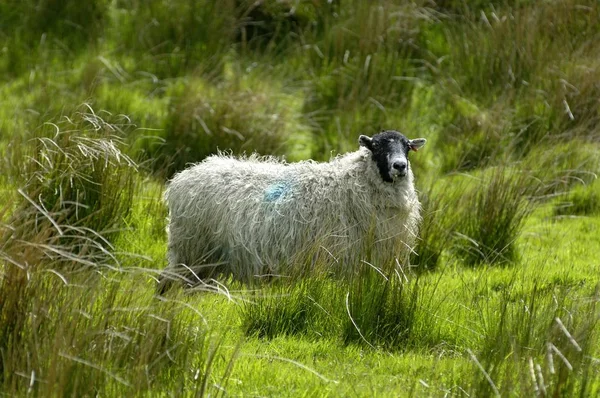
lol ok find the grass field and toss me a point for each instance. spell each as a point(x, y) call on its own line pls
point(102, 104)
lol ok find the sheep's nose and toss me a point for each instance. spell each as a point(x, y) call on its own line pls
point(400, 166)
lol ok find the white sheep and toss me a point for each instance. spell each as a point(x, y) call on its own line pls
point(255, 216)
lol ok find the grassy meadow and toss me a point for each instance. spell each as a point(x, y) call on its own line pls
point(100, 104)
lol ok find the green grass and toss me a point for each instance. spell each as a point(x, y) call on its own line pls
point(99, 106)
point(581, 201)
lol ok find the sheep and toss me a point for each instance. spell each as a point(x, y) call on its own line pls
point(253, 216)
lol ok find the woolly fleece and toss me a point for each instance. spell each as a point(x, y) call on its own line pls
point(256, 216)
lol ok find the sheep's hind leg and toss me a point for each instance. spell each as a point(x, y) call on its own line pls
point(199, 273)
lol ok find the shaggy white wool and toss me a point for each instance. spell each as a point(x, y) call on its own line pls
point(258, 215)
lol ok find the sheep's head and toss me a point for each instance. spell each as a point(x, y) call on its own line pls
point(390, 152)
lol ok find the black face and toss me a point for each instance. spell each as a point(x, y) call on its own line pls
point(390, 153)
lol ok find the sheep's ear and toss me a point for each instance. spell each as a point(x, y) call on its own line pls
point(416, 144)
point(365, 141)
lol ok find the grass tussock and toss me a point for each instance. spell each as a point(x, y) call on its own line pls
point(362, 68)
point(287, 310)
point(477, 218)
point(492, 218)
point(75, 321)
point(381, 309)
point(371, 309)
point(34, 33)
point(77, 175)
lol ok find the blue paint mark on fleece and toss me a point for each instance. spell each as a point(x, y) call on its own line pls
point(276, 191)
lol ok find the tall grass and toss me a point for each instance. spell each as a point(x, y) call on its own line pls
point(381, 309)
point(477, 218)
point(63, 197)
point(174, 38)
point(492, 217)
point(510, 80)
point(373, 308)
point(36, 32)
point(169, 39)
point(97, 333)
point(538, 345)
point(362, 67)
point(285, 309)
point(559, 166)
point(583, 200)
point(77, 172)
point(435, 236)
point(73, 319)
point(238, 115)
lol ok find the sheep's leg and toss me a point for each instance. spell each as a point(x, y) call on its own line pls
point(194, 269)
